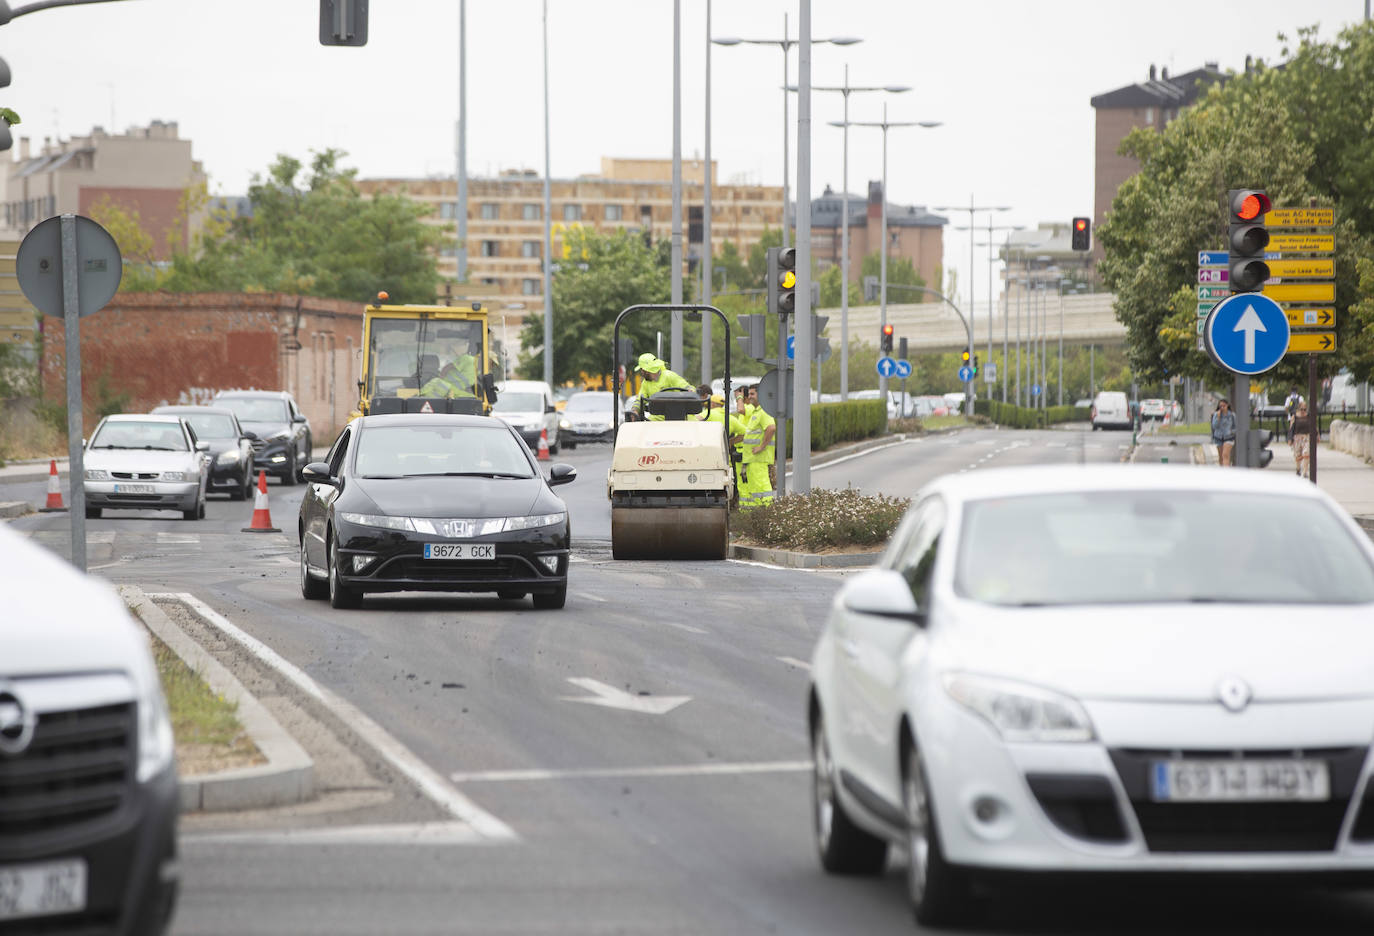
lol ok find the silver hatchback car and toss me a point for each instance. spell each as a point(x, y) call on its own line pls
point(146, 463)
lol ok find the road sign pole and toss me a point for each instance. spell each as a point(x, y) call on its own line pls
point(1240, 405)
point(71, 316)
point(1313, 414)
point(780, 439)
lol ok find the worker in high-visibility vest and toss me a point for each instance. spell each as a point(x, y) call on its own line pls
point(757, 486)
point(655, 377)
point(771, 454)
point(458, 378)
point(735, 428)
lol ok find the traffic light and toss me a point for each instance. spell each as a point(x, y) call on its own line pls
point(820, 347)
point(782, 280)
point(343, 22)
point(967, 357)
point(901, 348)
point(975, 365)
point(751, 337)
point(1247, 238)
point(1082, 234)
point(885, 341)
point(1257, 446)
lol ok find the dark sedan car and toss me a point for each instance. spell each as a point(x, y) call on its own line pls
point(433, 502)
point(231, 447)
point(283, 442)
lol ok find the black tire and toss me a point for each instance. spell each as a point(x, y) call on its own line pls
point(570, 444)
point(289, 476)
point(938, 891)
point(510, 594)
point(312, 589)
point(240, 492)
point(554, 449)
point(340, 595)
point(842, 846)
point(93, 513)
point(200, 511)
point(550, 601)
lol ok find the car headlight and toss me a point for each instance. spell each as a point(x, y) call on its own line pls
point(227, 458)
point(1020, 712)
point(530, 523)
point(97, 474)
point(156, 746)
point(403, 524)
point(456, 528)
point(174, 476)
point(564, 424)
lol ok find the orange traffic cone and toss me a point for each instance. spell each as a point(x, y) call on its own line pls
point(543, 445)
point(262, 517)
point(54, 490)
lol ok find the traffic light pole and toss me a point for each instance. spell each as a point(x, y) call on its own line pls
point(1240, 405)
point(1313, 414)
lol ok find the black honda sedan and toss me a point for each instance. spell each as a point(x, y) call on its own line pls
point(433, 502)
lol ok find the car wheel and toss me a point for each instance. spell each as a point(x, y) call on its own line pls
point(200, 508)
point(938, 892)
point(92, 513)
point(553, 449)
point(510, 594)
point(340, 595)
point(240, 491)
point(312, 589)
point(552, 600)
point(843, 847)
point(571, 445)
point(288, 477)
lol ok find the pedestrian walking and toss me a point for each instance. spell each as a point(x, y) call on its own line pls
point(1301, 442)
point(1290, 407)
point(1224, 432)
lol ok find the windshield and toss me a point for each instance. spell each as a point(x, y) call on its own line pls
point(406, 451)
point(211, 425)
point(591, 403)
point(406, 354)
point(156, 436)
point(1159, 546)
point(519, 403)
point(255, 409)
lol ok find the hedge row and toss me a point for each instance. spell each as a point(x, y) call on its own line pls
point(832, 423)
point(1022, 417)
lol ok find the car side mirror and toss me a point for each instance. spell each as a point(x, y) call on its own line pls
point(249, 436)
point(550, 408)
point(882, 593)
point(489, 386)
point(561, 473)
point(202, 446)
point(299, 418)
point(318, 473)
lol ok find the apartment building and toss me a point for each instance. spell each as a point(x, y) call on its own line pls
point(913, 232)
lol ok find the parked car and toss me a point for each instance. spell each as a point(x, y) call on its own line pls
point(931, 406)
point(1110, 410)
point(146, 462)
point(283, 443)
point(433, 502)
point(1153, 409)
point(1093, 670)
point(588, 417)
point(88, 780)
point(231, 447)
point(527, 405)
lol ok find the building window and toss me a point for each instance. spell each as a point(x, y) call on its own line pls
point(489, 281)
point(446, 211)
point(1149, 116)
point(530, 212)
point(572, 212)
point(612, 212)
point(490, 211)
point(529, 287)
point(491, 249)
point(646, 215)
point(530, 249)
point(448, 251)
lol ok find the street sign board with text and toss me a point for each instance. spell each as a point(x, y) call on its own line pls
point(1311, 318)
point(1219, 258)
point(1212, 292)
point(1300, 217)
point(1312, 343)
point(1213, 274)
point(1301, 292)
point(1303, 243)
point(1303, 268)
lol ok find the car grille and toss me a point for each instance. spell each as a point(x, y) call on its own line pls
point(134, 498)
point(258, 446)
point(135, 475)
point(1082, 806)
point(433, 570)
point(1241, 827)
point(77, 768)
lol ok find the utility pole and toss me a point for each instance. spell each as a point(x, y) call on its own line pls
point(801, 395)
point(676, 352)
point(548, 221)
point(461, 211)
point(706, 244)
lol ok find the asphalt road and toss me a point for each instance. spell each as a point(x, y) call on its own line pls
point(676, 801)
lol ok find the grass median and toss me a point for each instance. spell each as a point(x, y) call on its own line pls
point(209, 737)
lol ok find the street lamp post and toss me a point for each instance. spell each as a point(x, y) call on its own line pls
point(882, 263)
point(992, 304)
point(460, 255)
point(706, 220)
point(786, 45)
point(847, 89)
point(971, 392)
point(548, 221)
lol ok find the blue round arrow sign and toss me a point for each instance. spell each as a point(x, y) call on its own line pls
point(1247, 333)
point(903, 369)
point(886, 367)
point(965, 374)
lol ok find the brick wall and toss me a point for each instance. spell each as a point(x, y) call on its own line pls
point(184, 347)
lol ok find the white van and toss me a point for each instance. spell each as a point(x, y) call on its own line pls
point(527, 406)
point(1111, 411)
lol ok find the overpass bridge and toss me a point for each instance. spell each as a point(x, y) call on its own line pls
point(934, 326)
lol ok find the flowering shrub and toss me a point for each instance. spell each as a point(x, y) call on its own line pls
point(821, 519)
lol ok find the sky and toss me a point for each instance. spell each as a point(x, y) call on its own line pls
point(1010, 82)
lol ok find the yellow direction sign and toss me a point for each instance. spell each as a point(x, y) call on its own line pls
point(1301, 292)
point(1310, 318)
point(1302, 243)
point(1300, 217)
point(1312, 343)
point(1287, 268)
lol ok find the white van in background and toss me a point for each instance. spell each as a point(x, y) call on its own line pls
point(527, 406)
point(1111, 411)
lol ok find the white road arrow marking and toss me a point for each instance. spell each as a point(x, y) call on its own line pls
point(611, 697)
point(1250, 323)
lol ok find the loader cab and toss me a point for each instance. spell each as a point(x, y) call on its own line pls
point(426, 359)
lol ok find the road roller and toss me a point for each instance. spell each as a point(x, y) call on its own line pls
point(671, 479)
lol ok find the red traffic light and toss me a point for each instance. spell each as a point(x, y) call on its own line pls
point(1080, 224)
point(1248, 205)
point(887, 331)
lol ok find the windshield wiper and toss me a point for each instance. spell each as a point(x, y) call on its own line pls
point(113, 446)
point(382, 477)
point(468, 474)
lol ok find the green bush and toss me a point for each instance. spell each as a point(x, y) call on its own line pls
point(1023, 417)
point(820, 520)
point(833, 423)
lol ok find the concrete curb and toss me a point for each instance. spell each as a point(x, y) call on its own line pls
point(800, 560)
point(11, 509)
point(289, 774)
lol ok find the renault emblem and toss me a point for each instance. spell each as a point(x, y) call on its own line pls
point(1233, 693)
point(16, 722)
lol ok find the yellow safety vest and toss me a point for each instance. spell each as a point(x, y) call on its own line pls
point(759, 421)
point(667, 380)
point(456, 379)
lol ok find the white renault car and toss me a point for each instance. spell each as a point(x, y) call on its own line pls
point(146, 463)
point(1100, 669)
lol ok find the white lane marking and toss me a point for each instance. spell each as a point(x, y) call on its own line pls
point(686, 627)
point(178, 539)
point(1056, 445)
point(876, 448)
point(430, 781)
point(596, 773)
point(402, 833)
point(101, 537)
point(793, 661)
point(590, 597)
point(611, 697)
